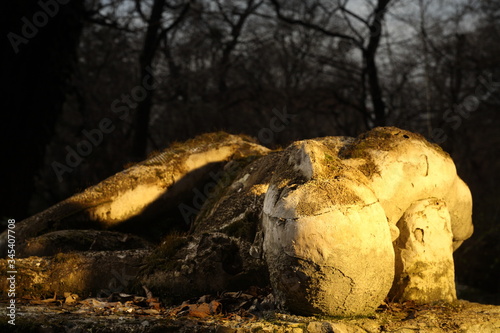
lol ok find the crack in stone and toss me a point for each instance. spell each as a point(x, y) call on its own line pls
point(335, 269)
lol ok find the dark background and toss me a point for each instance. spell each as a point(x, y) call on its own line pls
point(160, 71)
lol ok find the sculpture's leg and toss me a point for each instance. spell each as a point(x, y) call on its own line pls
point(424, 260)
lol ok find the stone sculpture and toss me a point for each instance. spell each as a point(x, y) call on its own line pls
point(333, 224)
point(335, 205)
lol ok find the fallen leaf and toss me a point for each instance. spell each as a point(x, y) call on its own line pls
point(70, 298)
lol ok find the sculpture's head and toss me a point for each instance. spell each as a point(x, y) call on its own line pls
point(331, 212)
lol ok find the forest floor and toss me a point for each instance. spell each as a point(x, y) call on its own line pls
point(128, 313)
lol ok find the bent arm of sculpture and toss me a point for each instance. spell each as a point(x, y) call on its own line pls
point(145, 188)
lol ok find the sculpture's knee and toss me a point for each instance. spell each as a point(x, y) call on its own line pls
point(424, 261)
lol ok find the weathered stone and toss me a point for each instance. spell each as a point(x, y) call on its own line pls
point(185, 267)
point(424, 254)
point(321, 216)
point(325, 220)
point(84, 274)
point(142, 191)
point(327, 242)
point(79, 240)
point(402, 168)
point(235, 206)
point(226, 241)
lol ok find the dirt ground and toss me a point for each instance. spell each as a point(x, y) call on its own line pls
point(93, 315)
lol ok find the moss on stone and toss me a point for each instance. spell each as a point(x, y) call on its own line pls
point(381, 139)
point(226, 201)
point(203, 141)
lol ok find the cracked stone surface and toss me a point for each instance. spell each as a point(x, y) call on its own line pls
point(324, 229)
point(334, 207)
point(330, 219)
point(424, 254)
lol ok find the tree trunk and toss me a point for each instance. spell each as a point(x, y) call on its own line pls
point(145, 61)
point(369, 54)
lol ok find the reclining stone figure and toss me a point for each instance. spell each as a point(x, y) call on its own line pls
point(333, 224)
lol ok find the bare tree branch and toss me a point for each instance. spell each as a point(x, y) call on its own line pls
point(236, 29)
point(176, 22)
point(103, 21)
point(342, 7)
point(313, 26)
point(138, 8)
point(353, 29)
